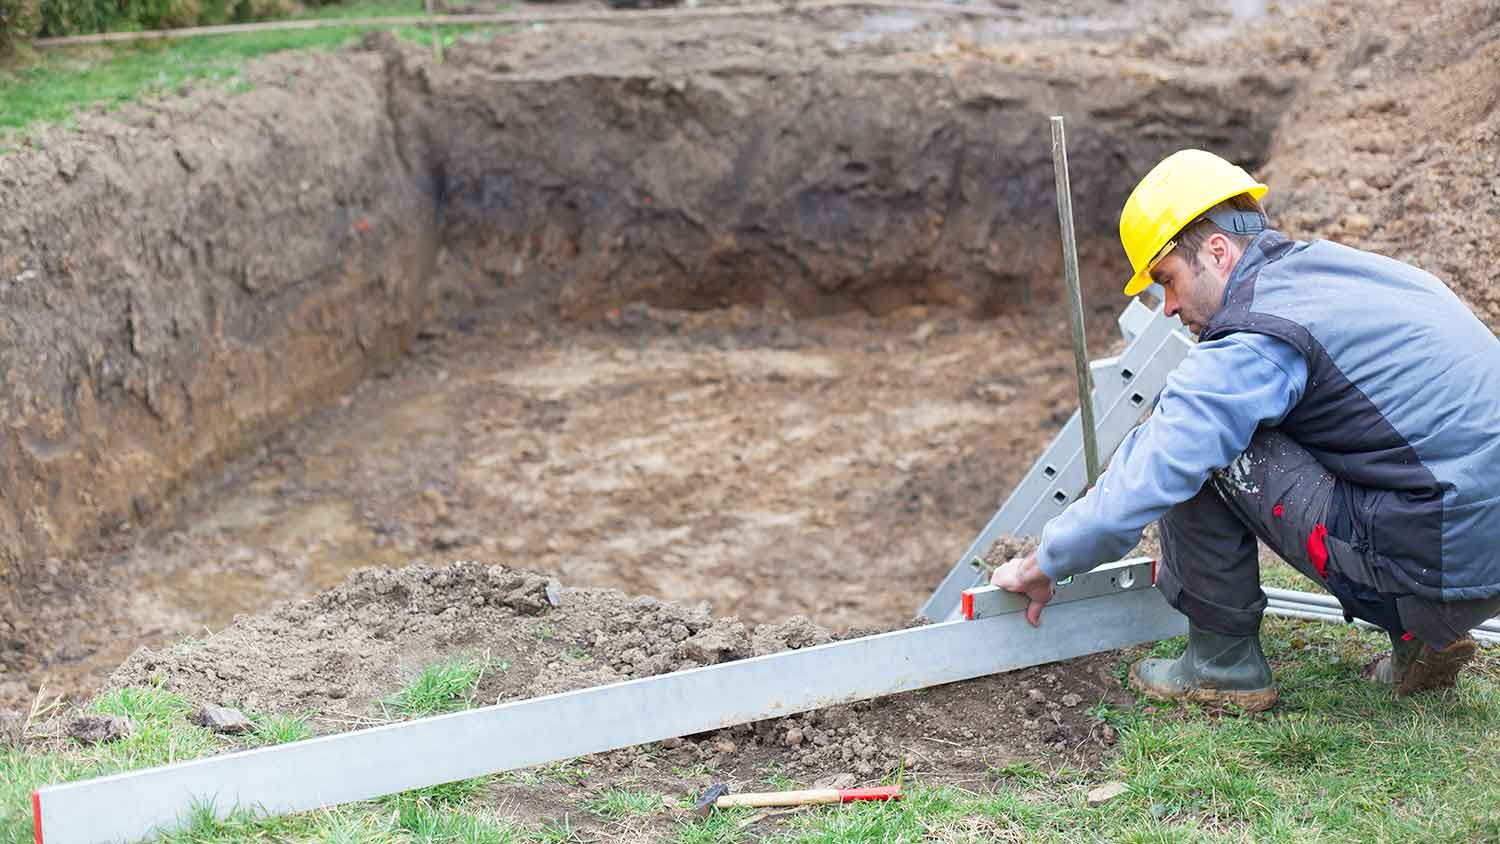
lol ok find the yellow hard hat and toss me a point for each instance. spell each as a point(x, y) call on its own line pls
point(1176, 191)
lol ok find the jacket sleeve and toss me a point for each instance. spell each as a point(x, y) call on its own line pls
point(1209, 410)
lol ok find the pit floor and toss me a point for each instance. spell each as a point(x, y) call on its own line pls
point(833, 468)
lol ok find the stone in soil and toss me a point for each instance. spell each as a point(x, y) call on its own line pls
point(95, 729)
point(222, 719)
point(1107, 792)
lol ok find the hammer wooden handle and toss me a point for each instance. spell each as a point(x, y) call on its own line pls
point(809, 796)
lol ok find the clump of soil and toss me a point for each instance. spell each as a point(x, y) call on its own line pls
point(337, 655)
point(1004, 549)
point(1009, 547)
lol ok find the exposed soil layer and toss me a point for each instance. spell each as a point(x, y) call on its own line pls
point(758, 313)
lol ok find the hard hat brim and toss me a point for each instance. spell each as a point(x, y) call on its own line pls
point(1138, 282)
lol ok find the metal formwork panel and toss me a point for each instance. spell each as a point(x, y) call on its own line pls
point(1125, 388)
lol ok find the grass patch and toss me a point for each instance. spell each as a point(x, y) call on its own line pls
point(720, 827)
point(424, 824)
point(442, 687)
point(50, 86)
point(279, 729)
point(160, 735)
point(616, 803)
point(569, 772)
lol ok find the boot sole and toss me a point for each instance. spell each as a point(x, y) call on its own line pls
point(1437, 669)
point(1258, 700)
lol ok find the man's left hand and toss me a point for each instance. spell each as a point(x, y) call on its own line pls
point(1025, 576)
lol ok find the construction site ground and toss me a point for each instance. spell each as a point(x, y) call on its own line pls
point(707, 470)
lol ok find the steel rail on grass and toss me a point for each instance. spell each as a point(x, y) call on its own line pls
point(1311, 606)
point(1112, 607)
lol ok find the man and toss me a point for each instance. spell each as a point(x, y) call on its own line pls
point(1342, 407)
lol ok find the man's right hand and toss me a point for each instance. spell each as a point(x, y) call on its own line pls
point(1025, 576)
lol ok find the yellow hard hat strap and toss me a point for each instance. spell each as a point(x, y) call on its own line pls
point(1160, 256)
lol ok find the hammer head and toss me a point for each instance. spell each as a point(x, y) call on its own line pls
point(706, 802)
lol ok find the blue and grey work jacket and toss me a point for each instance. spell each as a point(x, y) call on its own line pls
point(1374, 367)
point(1402, 401)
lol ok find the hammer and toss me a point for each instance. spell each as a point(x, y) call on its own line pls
point(718, 797)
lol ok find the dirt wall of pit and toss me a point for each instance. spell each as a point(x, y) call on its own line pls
point(817, 186)
point(180, 283)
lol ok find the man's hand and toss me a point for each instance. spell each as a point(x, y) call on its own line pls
point(1023, 575)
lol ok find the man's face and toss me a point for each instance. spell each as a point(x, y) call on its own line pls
point(1194, 289)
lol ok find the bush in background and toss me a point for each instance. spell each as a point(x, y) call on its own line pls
point(19, 20)
point(24, 19)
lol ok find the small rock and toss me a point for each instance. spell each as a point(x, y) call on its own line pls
point(796, 632)
point(554, 593)
point(1107, 792)
point(1070, 700)
point(1358, 223)
point(93, 729)
point(222, 719)
point(725, 746)
point(725, 641)
point(793, 737)
point(1036, 695)
point(448, 540)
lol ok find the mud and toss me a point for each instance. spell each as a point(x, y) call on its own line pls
point(692, 313)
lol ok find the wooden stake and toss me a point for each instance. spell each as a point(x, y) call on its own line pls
point(1075, 298)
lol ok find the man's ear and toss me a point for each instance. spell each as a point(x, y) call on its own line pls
point(1221, 250)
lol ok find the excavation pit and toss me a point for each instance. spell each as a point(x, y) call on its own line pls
point(763, 329)
point(762, 314)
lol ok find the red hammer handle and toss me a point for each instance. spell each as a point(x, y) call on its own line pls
point(884, 792)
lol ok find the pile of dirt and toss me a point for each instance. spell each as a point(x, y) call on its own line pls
point(1393, 144)
point(337, 656)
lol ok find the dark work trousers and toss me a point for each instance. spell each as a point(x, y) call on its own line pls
point(1276, 491)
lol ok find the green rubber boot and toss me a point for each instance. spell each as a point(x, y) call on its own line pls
point(1413, 666)
point(1215, 669)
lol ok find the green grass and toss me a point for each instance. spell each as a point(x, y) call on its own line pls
point(441, 687)
point(160, 735)
point(51, 86)
point(570, 772)
point(442, 825)
point(279, 729)
point(616, 803)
